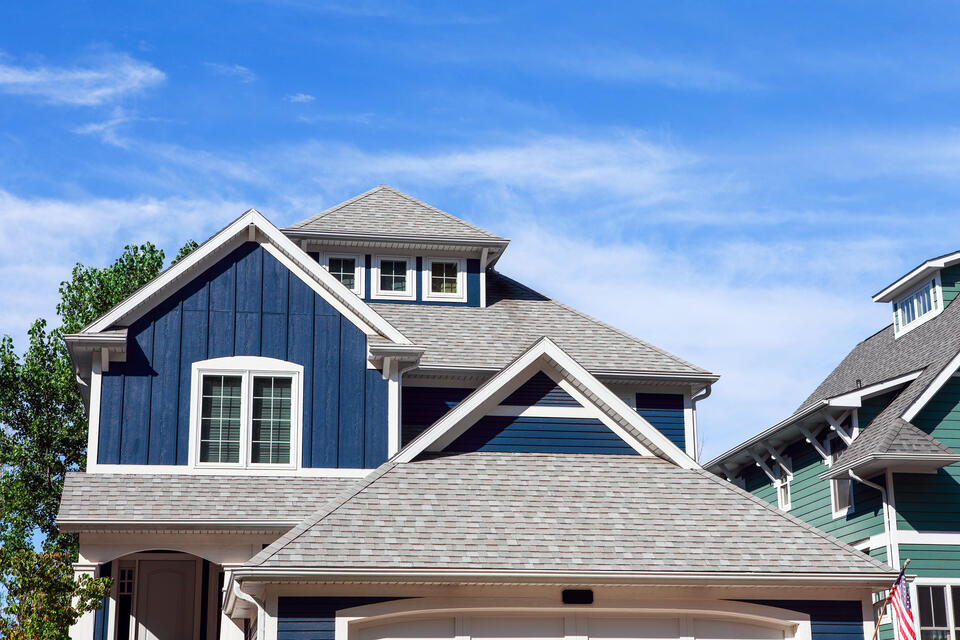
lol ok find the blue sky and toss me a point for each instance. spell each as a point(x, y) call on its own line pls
point(728, 181)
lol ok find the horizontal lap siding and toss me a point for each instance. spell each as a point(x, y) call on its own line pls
point(810, 497)
point(931, 502)
point(950, 282)
point(422, 406)
point(540, 435)
point(665, 412)
point(929, 560)
point(314, 618)
point(247, 304)
point(540, 391)
point(829, 619)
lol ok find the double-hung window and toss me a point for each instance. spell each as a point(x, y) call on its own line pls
point(247, 412)
point(783, 490)
point(918, 306)
point(939, 608)
point(393, 277)
point(445, 279)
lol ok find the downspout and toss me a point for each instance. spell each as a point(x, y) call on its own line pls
point(693, 406)
point(241, 594)
point(886, 512)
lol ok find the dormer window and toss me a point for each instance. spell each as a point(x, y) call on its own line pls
point(348, 269)
point(921, 304)
point(393, 277)
point(445, 279)
point(246, 412)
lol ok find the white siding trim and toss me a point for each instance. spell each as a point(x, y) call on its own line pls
point(93, 428)
point(935, 385)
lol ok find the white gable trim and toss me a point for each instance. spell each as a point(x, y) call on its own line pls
point(245, 228)
point(546, 355)
point(856, 398)
point(900, 286)
point(935, 385)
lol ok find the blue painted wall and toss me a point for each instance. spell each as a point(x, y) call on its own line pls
point(540, 435)
point(665, 412)
point(246, 304)
point(420, 407)
point(313, 618)
point(829, 619)
point(102, 614)
point(540, 391)
point(473, 283)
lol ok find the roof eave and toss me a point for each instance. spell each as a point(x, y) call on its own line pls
point(479, 243)
point(891, 291)
point(899, 462)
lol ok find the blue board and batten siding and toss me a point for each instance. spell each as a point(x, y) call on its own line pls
point(248, 304)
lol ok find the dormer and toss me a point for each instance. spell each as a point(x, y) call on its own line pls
point(386, 246)
point(923, 293)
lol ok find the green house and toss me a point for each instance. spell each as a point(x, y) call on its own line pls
point(869, 457)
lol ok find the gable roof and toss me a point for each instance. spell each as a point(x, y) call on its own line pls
point(515, 316)
point(93, 501)
point(918, 273)
point(385, 212)
point(924, 358)
point(545, 355)
point(542, 514)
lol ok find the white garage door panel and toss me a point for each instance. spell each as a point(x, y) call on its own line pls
point(507, 628)
point(629, 628)
point(430, 629)
point(729, 630)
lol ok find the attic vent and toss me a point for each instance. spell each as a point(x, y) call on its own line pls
point(578, 596)
point(859, 383)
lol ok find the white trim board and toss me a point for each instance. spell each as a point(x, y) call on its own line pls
point(856, 398)
point(245, 229)
point(546, 356)
point(935, 385)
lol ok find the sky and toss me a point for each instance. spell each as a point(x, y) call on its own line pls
point(728, 181)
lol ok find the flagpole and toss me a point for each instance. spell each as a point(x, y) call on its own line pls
point(886, 601)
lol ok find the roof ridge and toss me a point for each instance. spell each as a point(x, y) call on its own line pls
point(620, 332)
point(328, 508)
point(790, 517)
point(435, 209)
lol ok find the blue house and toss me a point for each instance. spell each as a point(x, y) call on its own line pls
point(356, 427)
point(870, 456)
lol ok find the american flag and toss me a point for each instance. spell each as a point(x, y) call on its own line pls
point(899, 598)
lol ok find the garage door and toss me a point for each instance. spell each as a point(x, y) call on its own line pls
point(553, 628)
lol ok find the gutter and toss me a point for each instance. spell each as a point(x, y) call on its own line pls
point(693, 405)
point(371, 237)
point(838, 471)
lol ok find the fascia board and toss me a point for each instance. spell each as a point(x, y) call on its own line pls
point(332, 236)
point(855, 398)
point(936, 461)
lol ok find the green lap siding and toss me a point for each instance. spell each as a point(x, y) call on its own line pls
point(931, 502)
point(810, 497)
point(932, 560)
point(950, 282)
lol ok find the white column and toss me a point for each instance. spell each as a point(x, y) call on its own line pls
point(83, 628)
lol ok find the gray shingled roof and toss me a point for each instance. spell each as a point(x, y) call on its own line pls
point(189, 499)
point(515, 318)
point(385, 211)
point(557, 512)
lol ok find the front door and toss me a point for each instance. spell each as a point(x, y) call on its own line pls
point(166, 598)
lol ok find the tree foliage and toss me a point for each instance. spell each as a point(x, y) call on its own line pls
point(43, 435)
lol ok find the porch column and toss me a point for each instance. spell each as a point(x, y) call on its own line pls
point(83, 628)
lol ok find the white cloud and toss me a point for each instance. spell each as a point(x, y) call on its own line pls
point(300, 97)
point(236, 71)
point(107, 79)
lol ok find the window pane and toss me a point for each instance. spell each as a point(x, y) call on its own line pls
point(393, 275)
point(270, 434)
point(344, 270)
point(842, 492)
point(220, 419)
point(443, 277)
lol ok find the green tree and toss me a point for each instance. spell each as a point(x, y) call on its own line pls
point(43, 435)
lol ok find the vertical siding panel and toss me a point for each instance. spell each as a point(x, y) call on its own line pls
point(300, 350)
point(276, 278)
point(134, 438)
point(165, 392)
point(111, 413)
point(473, 282)
point(193, 348)
point(367, 262)
point(249, 292)
point(326, 390)
point(353, 356)
point(223, 297)
point(375, 420)
point(419, 279)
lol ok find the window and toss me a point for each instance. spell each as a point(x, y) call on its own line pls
point(936, 604)
point(348, 269)
point(393, 277)
point(445, 279)
point(782, 485)
point(246, 413)
point(841, 491)
point(918, 306)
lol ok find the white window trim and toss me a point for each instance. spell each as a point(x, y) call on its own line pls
point(427, 277)
point(838, 513)
point(411, 291)
point(246, 366)
point(359, 271)
point(936, 308)
point(784, 480)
